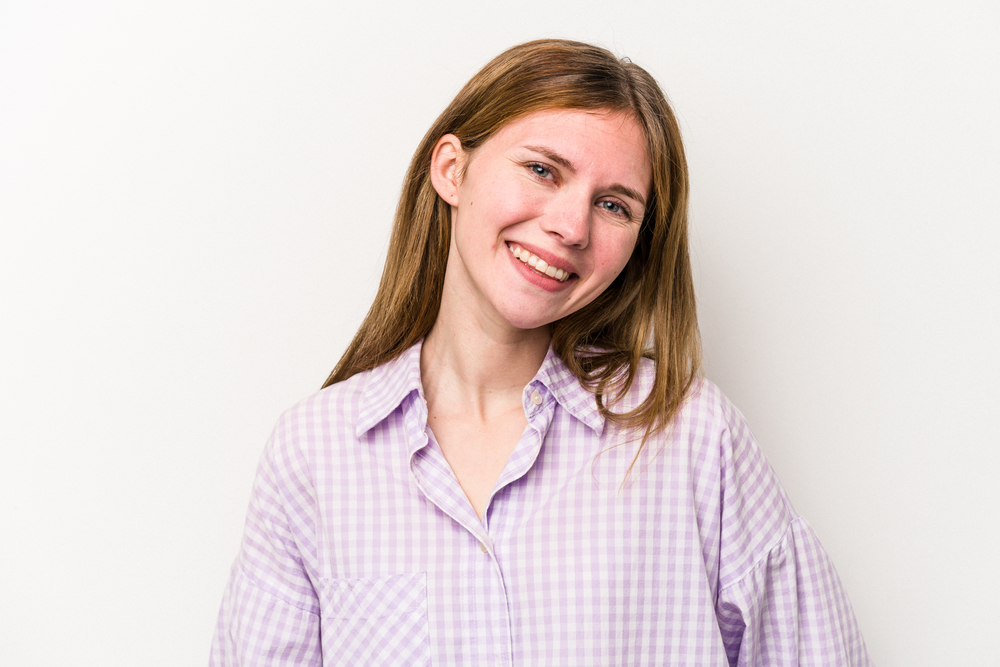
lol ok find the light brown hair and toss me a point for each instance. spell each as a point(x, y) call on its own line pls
point(649, 310)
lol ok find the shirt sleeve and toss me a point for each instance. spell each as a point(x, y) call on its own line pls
point(791, 609)
point(780, 600)
point(270, 611)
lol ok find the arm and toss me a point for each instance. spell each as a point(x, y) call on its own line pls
point(780, 600)
point(791, 609)
point(270, 611)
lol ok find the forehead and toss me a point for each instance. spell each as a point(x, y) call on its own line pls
point(610, 142)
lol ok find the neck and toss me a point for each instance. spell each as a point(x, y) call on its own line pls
point(478, 370)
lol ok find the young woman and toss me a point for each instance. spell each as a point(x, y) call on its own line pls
point(515, 461)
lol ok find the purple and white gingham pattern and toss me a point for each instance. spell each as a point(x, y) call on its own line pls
point(361, 548)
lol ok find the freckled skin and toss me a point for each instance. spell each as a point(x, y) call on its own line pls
point(559, 184)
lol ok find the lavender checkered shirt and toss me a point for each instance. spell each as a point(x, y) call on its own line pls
point(361, 548)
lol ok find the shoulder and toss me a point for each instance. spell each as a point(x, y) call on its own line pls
point(709, 416)
point(707, 429)
point(704, 405)
point(333, 407)
point(708, 407)
point(726, 462)
point(336, 419)
point(734, 490)
point(312, 428)
point(755, 511)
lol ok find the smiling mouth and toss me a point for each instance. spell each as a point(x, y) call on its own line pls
point(539, 265)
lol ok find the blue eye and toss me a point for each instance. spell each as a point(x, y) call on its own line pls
point(614, 208)
point(539, 170)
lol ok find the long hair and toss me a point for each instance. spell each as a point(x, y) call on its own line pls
point(649, 309)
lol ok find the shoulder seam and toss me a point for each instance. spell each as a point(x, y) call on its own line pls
point(764, 555)
point(250, 580)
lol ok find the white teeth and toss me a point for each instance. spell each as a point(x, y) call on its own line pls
point(537, 264)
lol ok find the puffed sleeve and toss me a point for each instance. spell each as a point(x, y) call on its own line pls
point(270, 611)
point(780, 600)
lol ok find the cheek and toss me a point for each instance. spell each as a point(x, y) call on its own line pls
point(504, 205)
point(616, 251)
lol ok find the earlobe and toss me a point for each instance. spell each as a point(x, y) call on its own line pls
point(446, 162)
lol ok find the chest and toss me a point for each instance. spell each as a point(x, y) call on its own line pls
point(477, 450)
point(555, 573)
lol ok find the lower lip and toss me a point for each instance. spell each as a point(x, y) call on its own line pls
point(538, 279)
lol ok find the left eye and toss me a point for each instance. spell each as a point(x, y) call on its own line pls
point(539, 170)
point(612, 207)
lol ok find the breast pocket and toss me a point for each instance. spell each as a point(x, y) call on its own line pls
point(378, 621)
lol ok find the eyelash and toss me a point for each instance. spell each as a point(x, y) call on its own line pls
point(624, 212)
point(623, 209)
point(535, 166)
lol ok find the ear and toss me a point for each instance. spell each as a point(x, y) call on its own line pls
point(447, 159)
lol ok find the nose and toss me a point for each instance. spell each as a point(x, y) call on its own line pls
point(570, 221)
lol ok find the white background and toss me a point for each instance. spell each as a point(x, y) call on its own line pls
point(195, 200)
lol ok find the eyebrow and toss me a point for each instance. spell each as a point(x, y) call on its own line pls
point(563, 162)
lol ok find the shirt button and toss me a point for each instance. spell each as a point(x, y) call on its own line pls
point(482, 547)
point(536, 398)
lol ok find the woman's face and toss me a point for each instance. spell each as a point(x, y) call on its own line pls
point(545, 214)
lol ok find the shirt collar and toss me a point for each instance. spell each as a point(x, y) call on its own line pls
point(564, 386)
point(387, 385)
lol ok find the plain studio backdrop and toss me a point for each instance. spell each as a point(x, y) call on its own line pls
point(195, 200)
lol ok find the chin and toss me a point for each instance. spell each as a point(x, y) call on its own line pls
point(529, 326)
point(527, 323)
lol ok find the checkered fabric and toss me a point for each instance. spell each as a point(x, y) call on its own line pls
point(361, 548)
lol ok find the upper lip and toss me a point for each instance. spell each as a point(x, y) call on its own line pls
point(547, 257)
